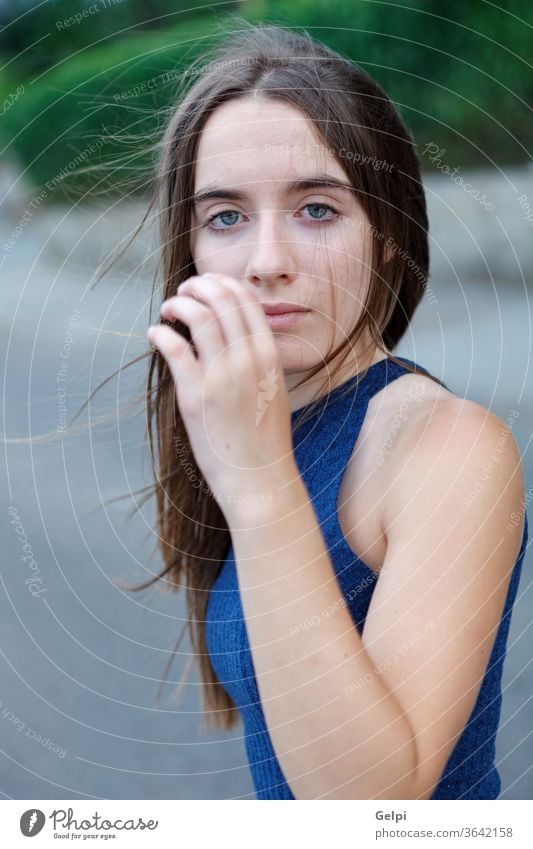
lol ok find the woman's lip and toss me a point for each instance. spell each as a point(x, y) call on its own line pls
point(275, 309)
point(281, 320)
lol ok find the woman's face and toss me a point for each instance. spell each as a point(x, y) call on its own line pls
point(287, 244)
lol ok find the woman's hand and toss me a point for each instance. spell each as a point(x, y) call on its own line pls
point(232, 397)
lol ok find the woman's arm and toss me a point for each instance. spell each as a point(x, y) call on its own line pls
point(377, 716)
point(329, 744)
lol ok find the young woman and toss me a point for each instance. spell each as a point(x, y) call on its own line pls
point(341, 520)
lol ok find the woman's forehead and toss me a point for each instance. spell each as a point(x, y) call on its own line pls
point(260, 127)
point(250, 144)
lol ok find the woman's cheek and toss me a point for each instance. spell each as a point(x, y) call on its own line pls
point(199, 244)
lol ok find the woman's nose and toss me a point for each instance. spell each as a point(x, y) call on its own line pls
point(271, 252)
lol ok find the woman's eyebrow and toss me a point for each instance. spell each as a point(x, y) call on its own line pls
point(294, 187)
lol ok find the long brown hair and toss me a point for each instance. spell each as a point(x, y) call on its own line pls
point(358, 122)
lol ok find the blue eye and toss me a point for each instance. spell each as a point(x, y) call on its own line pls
point(219, 215)
point(233, 212)
point(322, 206)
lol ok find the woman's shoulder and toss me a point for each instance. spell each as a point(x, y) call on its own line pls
point(420, 443)
point(415, 405)
point(425, 414)
point(430, 438)
point(403, 408)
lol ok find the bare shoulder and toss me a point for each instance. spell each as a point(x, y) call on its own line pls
point(447, 443)
point(422, 448)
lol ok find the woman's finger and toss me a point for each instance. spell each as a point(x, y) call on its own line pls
point(202, 322)
point(184, 367)
point(211, 289)
point(252, 310)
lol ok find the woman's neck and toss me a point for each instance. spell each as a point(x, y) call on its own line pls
point(327, 379)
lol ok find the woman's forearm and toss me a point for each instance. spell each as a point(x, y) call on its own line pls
point(332, 740)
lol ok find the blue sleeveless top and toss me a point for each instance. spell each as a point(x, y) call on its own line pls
point(322, 447)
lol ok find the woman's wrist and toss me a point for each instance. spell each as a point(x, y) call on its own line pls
point(273, 495)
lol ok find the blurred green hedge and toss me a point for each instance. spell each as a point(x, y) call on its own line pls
point(101, 110)
point(463, 85)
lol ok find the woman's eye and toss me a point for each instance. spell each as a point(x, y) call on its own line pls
point(224, 213)
point(322, 206)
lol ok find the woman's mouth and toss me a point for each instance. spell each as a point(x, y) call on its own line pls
point(282, 320)
point(283, 316)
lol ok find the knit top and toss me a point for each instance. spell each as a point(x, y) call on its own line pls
point(322, 447)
